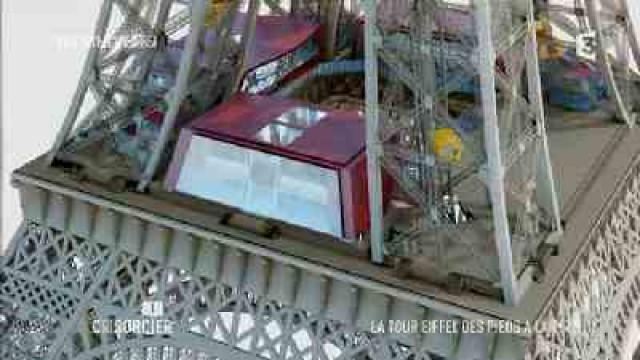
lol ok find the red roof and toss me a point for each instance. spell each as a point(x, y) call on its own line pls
point(332, 142)
point(275, 37)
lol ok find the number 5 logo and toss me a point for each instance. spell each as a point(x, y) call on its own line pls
point(586, 45)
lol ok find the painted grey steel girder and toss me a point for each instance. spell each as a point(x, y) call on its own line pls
point(631, 8)
point(374, 148)
point(214, 350)
point(605, 63)
point(215, 53)
point(178, 21)
point(82, 304)
point(105, 86)
point(425, 98)
point(242, 303)
point(537, 103)
point(391, 60)
point(158, 23)
point(198, 13)
point(38, 204)
point(408, 60)
point(248, 35)
point(113, 76)
point(86, 77)
point(495, 170)
point(410, 187)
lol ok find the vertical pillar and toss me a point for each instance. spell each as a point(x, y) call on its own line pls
point(374, 172)
point(605, 63)
point(333, 16)
point(536, 99)
point(495, 172)
point(248, 34)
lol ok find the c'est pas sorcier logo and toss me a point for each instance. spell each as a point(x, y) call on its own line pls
point(150, 323)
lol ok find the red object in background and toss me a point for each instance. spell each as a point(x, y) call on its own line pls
point(277, 36)
point(153, 114)
point(335, 141)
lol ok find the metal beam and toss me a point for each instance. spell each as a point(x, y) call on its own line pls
point(241, 244)
point(215, 52)
point(248, 34)
point(334, 9)
point(495, 170)
point(605, 63)
point(537, 102)
point(374, 172)
point(85, 80)
point(198, 13)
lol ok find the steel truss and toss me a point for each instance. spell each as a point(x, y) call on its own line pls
point(72, 262)
point(79, 258)
point(422, 57)
point(608, 23)
point(61, 279)
point(63, 283)
point(130, 36)
point(115, 74)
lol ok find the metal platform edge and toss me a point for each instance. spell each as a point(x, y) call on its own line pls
point(37, 182)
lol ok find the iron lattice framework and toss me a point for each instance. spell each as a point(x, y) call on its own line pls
point(427, 57)
point(114, 74)
point(74, 262)
point(69, 281)
point(429, 54)
point(68, 269)
point(133, 39)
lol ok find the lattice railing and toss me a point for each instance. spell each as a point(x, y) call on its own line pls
point(65, 267)
point(590, 312)
point(64, 282)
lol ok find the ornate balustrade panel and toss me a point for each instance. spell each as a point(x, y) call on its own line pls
point(75, 266)
point(589, 315)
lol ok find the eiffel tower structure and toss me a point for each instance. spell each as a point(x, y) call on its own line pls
point(520, 240)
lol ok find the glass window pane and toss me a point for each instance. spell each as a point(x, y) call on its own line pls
point(310, 196)
point(215, 170)
point(263, 184)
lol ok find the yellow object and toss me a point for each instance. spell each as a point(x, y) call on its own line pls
point(544, 30)
point(447, 145)
point(215, 11)
point(548, 47)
